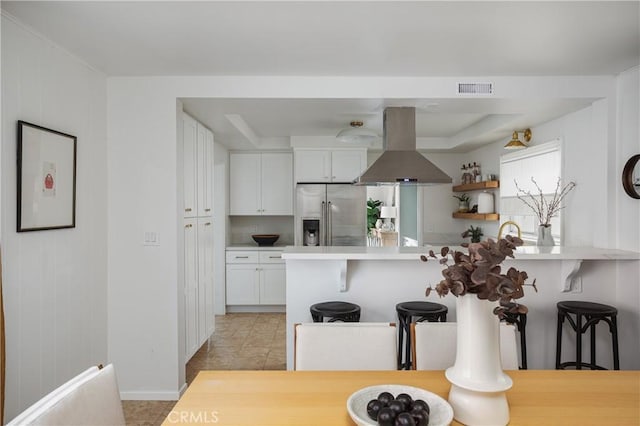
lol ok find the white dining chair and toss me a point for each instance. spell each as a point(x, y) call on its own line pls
point(433, 345)
point(90, 398)
point(345, 346)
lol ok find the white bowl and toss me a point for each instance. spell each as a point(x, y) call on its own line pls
point(441, 412)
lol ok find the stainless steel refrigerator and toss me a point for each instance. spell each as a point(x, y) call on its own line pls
point(331, 215)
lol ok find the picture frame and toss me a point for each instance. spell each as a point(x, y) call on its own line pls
point(46, 178)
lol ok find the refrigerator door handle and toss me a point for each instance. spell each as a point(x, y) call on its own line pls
point(330, 227)
point(323, 225)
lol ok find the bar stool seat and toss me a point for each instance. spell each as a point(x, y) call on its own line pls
point(335, 311)
point(587, 315)
point(520, 321)
point(421, 311)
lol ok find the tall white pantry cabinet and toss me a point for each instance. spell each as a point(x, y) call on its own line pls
point(197, 143)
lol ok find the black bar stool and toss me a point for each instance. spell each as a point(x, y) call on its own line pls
point(335, 311)
point(422, 311)
point(520, 321)
point(593, 313)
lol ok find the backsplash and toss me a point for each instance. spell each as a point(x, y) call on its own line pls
point(242, 227)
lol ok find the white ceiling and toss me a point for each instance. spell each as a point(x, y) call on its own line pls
point(322, 38)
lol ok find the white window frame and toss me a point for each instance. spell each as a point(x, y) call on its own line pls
point(529, 222)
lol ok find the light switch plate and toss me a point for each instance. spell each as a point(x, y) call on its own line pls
point(151, 238)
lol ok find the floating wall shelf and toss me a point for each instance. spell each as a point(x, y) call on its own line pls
point(476, 216)
point(477, 186)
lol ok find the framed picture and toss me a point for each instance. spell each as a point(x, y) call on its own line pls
point(46, 178)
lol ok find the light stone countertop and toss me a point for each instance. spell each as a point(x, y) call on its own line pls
point(253, 246)
point(411, 253)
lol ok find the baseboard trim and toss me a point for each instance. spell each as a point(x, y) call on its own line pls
point(256, 308)
point(152, 396)
point(182, 389)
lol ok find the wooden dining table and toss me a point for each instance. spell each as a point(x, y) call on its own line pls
point(281, 398)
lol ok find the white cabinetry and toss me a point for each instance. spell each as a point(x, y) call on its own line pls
point(191, 285)
point(197, 143)
point(338, 165)
point(261, 184)
point(255, 278)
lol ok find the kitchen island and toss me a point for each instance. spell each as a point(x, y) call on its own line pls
point(377, 278)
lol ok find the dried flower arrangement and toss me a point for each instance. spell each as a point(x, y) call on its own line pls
point(543, 208)
point(479, 273)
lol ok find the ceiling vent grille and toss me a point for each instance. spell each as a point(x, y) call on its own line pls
point(475, 88)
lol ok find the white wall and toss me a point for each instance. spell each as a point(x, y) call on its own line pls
point(587, 146)
point(143, 280)
point(220, 224)
point(627, 214)
point(54, 282)
point(628, 144)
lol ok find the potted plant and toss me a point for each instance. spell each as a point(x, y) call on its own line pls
point(479, 272)
point(483, 294)
point(544, 207)
point(475, 234)
point(373, 212)
point(463, 205)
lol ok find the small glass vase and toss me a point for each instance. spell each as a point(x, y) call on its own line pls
point(545, 239)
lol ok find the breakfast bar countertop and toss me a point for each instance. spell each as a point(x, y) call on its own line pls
point(412, 253)
point(253, 246)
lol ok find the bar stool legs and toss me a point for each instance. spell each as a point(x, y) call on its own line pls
point(592, 314)
point(520, 321)
point(422, 311)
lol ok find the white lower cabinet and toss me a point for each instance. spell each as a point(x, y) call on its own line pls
point(255, 278)
point(198, 282)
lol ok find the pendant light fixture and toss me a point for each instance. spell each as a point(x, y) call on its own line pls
point(515, 143)
point(356, 133)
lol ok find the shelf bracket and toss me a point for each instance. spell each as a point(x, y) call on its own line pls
point(342, 276)
point(569, 272)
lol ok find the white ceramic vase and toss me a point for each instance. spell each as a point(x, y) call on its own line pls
point(478, 383)
point(545, 239)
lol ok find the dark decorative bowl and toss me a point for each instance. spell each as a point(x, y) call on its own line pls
point(265, 239)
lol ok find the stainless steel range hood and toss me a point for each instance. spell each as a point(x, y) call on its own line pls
point(400, 162)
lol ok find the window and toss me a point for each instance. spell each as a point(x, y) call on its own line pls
point(542, 163)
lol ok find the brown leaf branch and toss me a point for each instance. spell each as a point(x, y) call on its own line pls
point(538, 203)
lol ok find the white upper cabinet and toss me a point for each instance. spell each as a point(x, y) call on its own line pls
point(197, 143)
point(338, 165)
point(205, 171)
point(313, 165)
point(260, 184)
point(277, 183)
point(346, 165)
point(190, 152)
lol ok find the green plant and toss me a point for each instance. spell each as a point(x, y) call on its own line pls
point(464, 198)
point(475, 234)
point(373, 212)
point(479, 273)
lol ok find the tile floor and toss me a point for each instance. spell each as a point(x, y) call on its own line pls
point(241, 342)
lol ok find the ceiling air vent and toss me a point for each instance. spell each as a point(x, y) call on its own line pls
point(475, 88)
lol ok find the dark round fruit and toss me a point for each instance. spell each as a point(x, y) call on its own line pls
point(405, 398)
point(421, 417)
point(421, 404)
point(386, 417)
point(373, 407)
point(385, 398)
point(397, 406)
point(405, 419)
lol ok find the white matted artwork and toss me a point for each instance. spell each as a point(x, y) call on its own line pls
point(46, 178)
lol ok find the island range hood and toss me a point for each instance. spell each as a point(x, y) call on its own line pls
point(400, 162)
